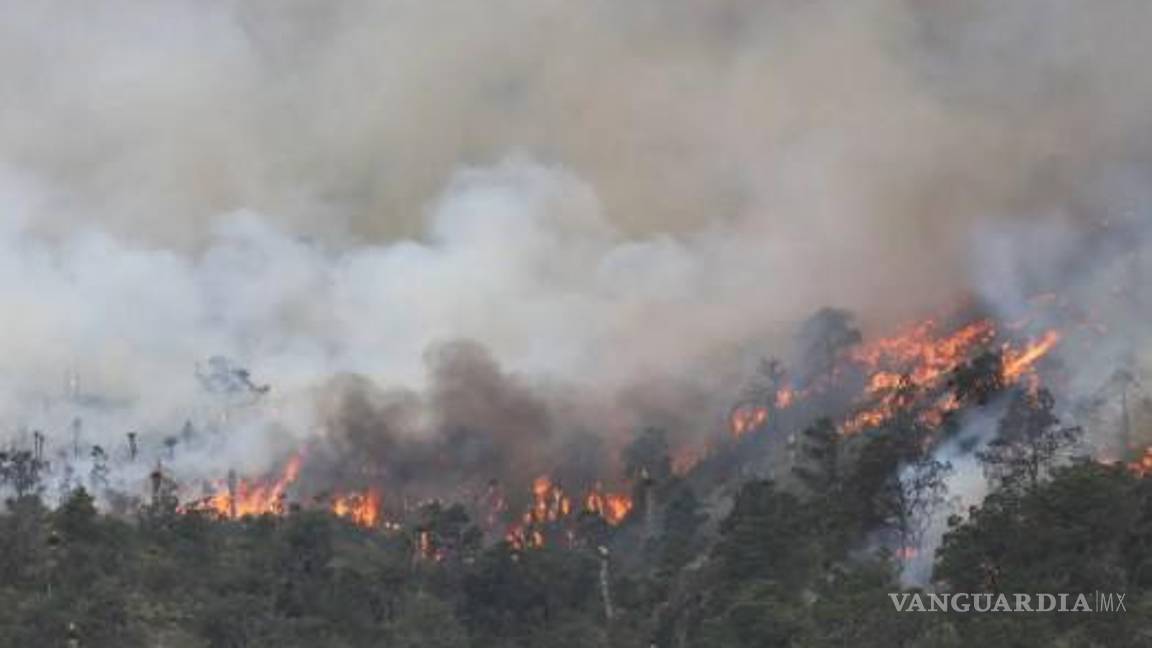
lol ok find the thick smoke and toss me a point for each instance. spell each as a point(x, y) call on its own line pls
point(615, 201)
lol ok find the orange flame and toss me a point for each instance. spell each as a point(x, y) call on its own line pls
point(549, 501)
point(254, 498)
point(362, 509)
point(907, 553)
point(747, 418)
point(426, 549)
point(921, 353)
point(1143, 465)
point(550, 506)
point(235, 499)
point(1019, 363)
point(613, 507)
point(784, 398)
point(920, 358)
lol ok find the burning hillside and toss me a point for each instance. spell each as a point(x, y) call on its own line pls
point(913, 370)
point(926, 372)
point(507, 453)
point(646, 323)
point(236, 498)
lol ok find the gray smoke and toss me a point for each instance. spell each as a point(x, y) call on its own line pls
point(618, 201)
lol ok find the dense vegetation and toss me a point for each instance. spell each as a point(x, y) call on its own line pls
point(787, 563)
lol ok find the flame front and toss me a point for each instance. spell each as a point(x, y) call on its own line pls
point(902, 373)
point(551, 507)
point(360, 508)
point(613, 507)
point(1143, 465)
point(236, 499)
point(747, 418)
point(549, 502)
point(1019, 363)
point(920, 360)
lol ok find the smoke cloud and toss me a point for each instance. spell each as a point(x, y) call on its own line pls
point(612, 203)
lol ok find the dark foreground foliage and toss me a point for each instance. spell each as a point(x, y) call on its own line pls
point(804, 560)
point(782, 571)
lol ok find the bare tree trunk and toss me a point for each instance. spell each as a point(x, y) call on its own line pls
point(605, 589)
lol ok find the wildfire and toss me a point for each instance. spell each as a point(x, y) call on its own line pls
point(549, 502)
point(1143, 465)
point(426, 547)
point(360, 508)
point(914, 364)
point(744, 419)
point(552, 506)
point(920, 359)
point(921, 353)
point(613, 507)
point(784, 398)
point(1019, 363)
point(907, 553)
point(748, 417)
point(521, 538)
point(235, 499)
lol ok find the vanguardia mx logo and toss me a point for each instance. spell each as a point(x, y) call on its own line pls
point(1018, 602)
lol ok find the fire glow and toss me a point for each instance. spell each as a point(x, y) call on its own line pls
point(361, 508)
point(904, 372)
point(1143, 465)
point(246, 498)
point(921, 359)
point(747, 418)
point(551, 506)
point(918, 360)
point(235, 499)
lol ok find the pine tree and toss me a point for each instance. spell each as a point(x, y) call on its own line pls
point(1029, 441)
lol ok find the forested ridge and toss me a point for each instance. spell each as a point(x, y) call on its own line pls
point(785, 562)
